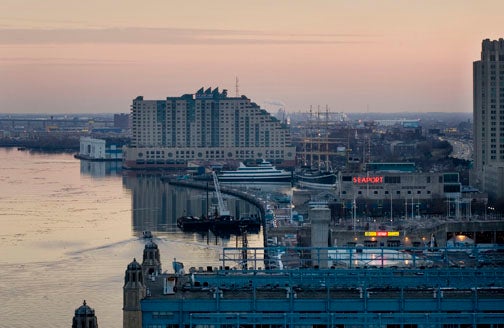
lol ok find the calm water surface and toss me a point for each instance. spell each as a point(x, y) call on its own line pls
point(69, 229)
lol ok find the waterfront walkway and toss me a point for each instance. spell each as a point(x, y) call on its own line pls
point(257, 199)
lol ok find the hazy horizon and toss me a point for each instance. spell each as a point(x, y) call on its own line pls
point(353, 56)
point(270, 111)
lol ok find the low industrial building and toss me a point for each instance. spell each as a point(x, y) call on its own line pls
point(387, 188)
point(98, 150)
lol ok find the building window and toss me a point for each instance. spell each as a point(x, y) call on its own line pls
point(389, 179)
point(346, 178)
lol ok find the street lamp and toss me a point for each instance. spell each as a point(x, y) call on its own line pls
point(391, 217)
point(486, 202)
point(354, 212)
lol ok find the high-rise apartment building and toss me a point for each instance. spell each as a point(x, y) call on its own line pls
point(488, 112)
point(205, 126)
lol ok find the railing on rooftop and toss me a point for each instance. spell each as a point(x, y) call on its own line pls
point(338, 319)
point(283, 258)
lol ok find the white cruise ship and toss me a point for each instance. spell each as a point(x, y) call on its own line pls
point(264, 172)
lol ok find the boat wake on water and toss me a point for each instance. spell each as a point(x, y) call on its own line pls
point(101, 247)
point(195, 244)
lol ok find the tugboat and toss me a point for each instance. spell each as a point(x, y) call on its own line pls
point(252, 223)
point(147, 234)
point(226, 224)
point(193, 223)
point(221, 222)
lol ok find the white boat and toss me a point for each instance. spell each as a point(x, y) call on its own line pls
point(264, 172)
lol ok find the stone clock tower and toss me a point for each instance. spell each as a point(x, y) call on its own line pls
point(133, 291)
point(151, 263)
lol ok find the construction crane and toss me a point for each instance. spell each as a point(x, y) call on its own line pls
point(223, 210)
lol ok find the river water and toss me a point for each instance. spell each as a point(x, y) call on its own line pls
point(70, 228)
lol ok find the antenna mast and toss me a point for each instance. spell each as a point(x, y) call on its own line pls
point(369, 150)
point(309, 136)
point(326, 132)
point(319, 136)
point(237, 90)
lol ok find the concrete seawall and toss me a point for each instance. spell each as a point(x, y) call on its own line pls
point(209, 186)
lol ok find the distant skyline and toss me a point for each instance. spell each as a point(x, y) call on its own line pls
point(60, 56)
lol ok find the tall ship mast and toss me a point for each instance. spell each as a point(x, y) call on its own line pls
point(316, 170)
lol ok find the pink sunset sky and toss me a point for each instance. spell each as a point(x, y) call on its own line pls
point(65, 56)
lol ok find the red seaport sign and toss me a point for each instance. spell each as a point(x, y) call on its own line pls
point(364, 180)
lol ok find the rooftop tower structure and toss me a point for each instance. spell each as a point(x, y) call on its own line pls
point(133, 291)
point(488, 117)
point(151, 262)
